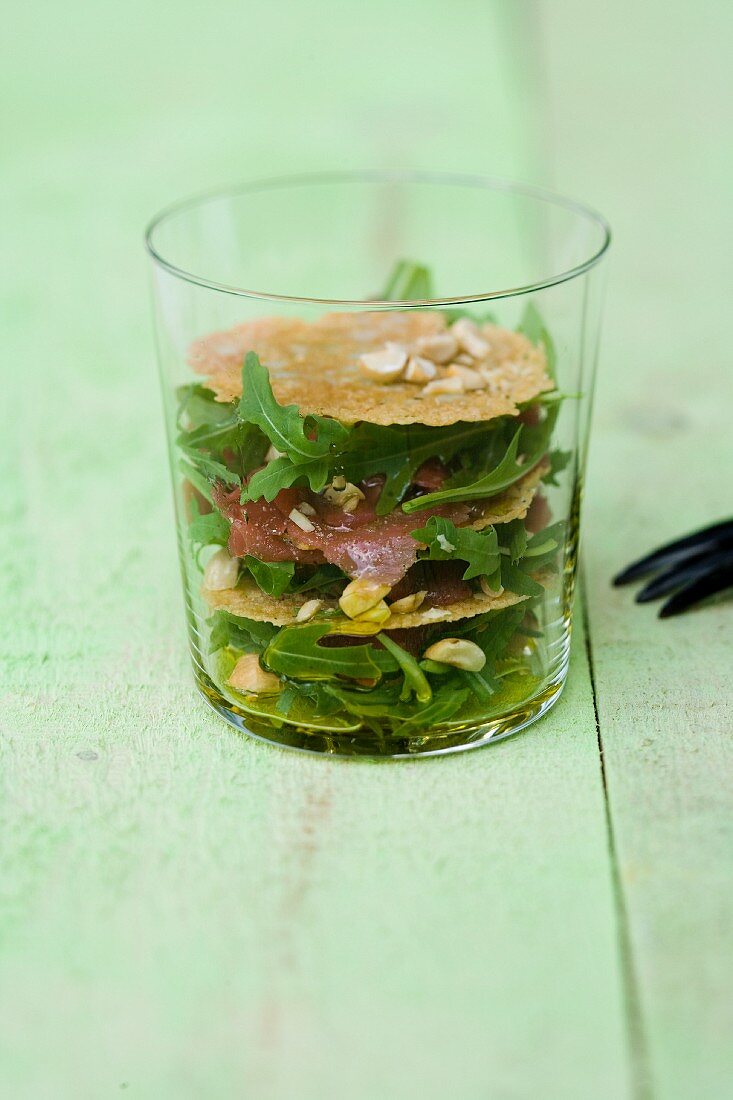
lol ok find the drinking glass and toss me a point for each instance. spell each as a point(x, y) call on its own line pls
point(503, 257)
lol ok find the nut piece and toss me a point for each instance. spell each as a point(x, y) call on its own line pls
point(469, 338)
point(301, 521)
point(380, 613)
point(351, 503)
point(408, 603)
point(308, 610)
point(471, 379)
point(443, 385)
point(361, 595)
point(306, 508)
point(484, 586)
point(386, 365)
point(346, 496)
point(440, 347)
point(221, 571)
point(457, 652)
point(436, 615)
point(249, 675)
point(272, 453)
point(420, 370)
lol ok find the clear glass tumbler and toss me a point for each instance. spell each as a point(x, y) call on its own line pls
point(377, 390)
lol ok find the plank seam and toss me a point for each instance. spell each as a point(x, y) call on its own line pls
point(638, 1047)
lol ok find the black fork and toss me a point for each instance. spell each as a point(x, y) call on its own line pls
point(692, 568)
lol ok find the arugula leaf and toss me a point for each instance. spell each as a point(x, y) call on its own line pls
point(198, 407)
point(247, 635)
point(228, 434)
point(457, 312)
point(287, 698)
point(446, 701)
point(324, 576)
point(199, 482)
point(214, 433)
point(514, 539)
point(529, 440)
point(446, 542)
point(521, 557)
point(516, 580)
point(533, 327)
point(414, 678)
point(384, 701)
point(407, 281)
point(273, 577)
point(278, 577)
point(543, 547)
point(434, 668)
point(295, 653)
point(493, 580)
point(210, 468)
point(559, 460)
point(304, 704)
point(399, 450)
point(504, 474)
point(482, 684)
point(493, 631)
point(292, 694)
point(208, 529)
point(279, 473)
point(289, 432)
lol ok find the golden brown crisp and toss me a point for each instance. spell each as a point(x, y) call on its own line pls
point(248, 600)
point(315, 365)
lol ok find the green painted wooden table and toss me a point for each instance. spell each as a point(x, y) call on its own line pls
point(187, 914)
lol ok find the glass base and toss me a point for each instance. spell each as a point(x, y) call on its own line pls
point(366, 743)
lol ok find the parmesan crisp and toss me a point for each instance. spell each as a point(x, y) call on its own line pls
point(248, 600)
point(315, 365)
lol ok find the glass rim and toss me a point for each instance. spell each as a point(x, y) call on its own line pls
point(541, 194)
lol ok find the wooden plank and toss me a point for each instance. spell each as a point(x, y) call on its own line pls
point(660, 466)
point(195, 914)
point(183, 912)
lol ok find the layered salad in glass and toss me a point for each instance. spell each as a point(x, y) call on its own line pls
point(364, 504)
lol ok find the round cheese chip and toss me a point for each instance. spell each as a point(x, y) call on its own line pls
point(249, 601)
point(316, 366)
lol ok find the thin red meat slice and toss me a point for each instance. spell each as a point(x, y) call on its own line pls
point(194, 502)
point(539, 515)
point(431, 475)
point(260, 529)
point(446, 584)
point(414, 639)
point(363, 544)
point(442, 581)
point(531, 416)
point(379, 548)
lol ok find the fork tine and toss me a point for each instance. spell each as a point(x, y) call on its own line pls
point(717, 536)
point(672, 578)
point(682, 573)
point(716, 580)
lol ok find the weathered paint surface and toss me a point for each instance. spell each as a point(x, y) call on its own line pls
point(184, 913)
